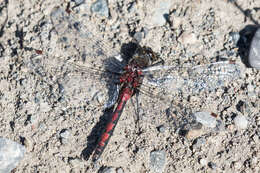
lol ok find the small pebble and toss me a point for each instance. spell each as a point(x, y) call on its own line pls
point(131, 7)
point(241, 122)
point(203, 162)
point(234, 37)
point(158, 17)
point(199, 142)
point(161, 129)
point(254, 52)
point(241, 106)
point(212, 165)
point(194, 133)
point(157, 161)
point(64, 135)
point(11, 153)
point(139, 36)
point(76, 163)
point(119, 170)
point(44, 107)
point(188, 38)
point(237, 165)
point(255, 160)
point(250, 88)
point(220, 126)
point(206, 119)
point(100, 7)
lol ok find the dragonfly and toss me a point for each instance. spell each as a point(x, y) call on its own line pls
point(114, 76)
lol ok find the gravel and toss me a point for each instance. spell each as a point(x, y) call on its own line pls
point(44, 85)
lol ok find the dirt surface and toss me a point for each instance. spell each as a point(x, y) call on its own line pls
point(46, 105)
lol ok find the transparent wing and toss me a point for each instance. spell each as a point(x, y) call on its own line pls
point(81, 40)
point(167, 81)
point(81, 62)
point(77, 86)
point(212, 76)
point(169, 88)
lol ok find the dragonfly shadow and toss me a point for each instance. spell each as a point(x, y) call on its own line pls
point(113, 67)
point(92, 139)
point(128, 50)
point(246, 36)
point(115, 64)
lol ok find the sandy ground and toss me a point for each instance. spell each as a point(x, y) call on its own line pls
point(43, 97)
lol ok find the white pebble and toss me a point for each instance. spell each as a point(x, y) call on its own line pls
point(203, 162)
point(241, 122)
point(157, 16)
point(237, 165)
point(11, 153)
point(188, 38)
point(254, 53)
point(206, 119)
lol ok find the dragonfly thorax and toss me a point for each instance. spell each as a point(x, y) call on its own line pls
point(131, 76)
point(144, 57)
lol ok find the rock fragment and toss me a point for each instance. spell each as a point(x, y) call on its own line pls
point(64, 136)
point(100, 7)
point(241, 122)
point(11, 153)
point(119, 170)
point(158, 17)
point(198, 142)
point(194, 133)
point(157, 161)
point(203, 162)
point(161, 128)
point(206, 119)
point(212, 165)
point(188, 38)
point(254, 52)
point(234, 37)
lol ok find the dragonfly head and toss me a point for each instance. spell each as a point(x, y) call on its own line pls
point(144, 56)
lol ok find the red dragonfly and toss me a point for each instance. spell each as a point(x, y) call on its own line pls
point(144, 71)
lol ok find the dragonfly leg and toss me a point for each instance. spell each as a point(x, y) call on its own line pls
point(137, 111)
